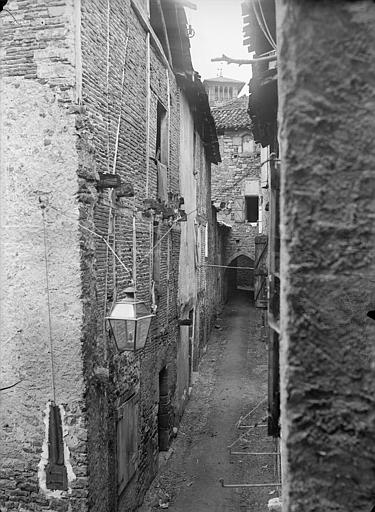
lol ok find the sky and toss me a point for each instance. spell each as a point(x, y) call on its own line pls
point(218, 29)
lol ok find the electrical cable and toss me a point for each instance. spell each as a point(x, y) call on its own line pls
point(265, 24)
point(270, 41)
point(107, 81)
point(96, 234)
point(53, 384)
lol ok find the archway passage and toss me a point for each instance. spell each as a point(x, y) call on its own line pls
point(239, 277)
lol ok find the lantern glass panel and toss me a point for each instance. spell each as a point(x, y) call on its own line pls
point(123, 310)
point(140, 310)
point(142, 330)
point(124, 333)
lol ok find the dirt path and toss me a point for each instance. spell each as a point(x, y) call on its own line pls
point(232, 381)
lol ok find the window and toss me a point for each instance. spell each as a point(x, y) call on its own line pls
point(216, 93)
point(127, 442)
point(247, 144)
point(56, 473)
point(252, 208)
point(161, 152)
point(161, 149)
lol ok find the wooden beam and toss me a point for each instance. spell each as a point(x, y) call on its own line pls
point(240, 62)
point(145, 22)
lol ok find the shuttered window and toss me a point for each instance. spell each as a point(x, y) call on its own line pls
point(162, 182)
point(127, 442)
point(238, 209)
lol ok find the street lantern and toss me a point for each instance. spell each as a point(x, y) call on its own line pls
point(130, 322)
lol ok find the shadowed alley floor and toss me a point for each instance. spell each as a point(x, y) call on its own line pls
point(232, 381)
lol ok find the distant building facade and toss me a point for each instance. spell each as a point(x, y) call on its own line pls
point(221, 89)
point(238, 191)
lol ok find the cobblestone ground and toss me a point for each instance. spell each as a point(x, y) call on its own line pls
point(232, 381)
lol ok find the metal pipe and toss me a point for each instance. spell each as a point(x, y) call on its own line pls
point(227, 266)
point(254, 453)
point(221, 480)
point(252, 426)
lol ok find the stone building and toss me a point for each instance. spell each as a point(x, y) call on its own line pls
point(222, 89)
point(312, 111)
point(96, 98)
point(237, 191)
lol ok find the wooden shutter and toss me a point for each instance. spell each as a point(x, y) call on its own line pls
point(238, 209)
point(273, 385)
point(127, 442)
point(162, 182)
point(260, 272)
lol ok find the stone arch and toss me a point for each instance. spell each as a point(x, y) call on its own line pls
point(236, 279)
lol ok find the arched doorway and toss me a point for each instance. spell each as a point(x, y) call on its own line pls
point(239, 277)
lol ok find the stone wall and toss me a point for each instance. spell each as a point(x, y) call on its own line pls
point(327, 236)
point(228, 186)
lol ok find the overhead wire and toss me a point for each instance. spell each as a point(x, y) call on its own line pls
point(51, 347)
point(98, 235)
point(263, 29)
point(265, 24)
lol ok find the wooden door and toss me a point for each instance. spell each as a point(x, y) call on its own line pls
point(260, 271)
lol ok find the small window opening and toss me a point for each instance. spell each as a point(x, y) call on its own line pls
point(252, 208)
point(161, 152)
point(161, 149)
point(56, 474)
point(247, 144)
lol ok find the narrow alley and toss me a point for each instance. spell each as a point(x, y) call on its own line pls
point(232, 381)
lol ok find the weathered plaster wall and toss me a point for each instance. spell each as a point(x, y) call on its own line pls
point(326, 73)
point(199, 236)
point(39, 162)
point(188, 188)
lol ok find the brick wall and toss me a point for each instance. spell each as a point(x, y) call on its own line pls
point(113, 219)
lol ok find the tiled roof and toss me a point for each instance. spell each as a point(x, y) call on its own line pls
point(232, 115)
